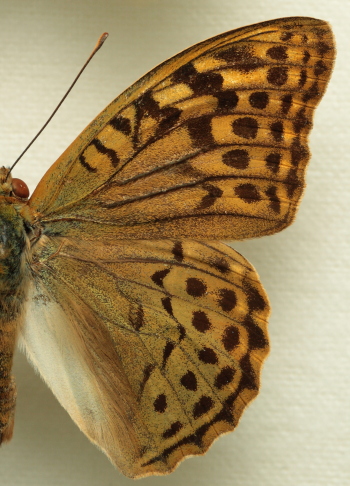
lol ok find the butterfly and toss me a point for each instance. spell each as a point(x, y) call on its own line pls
point(149, 331)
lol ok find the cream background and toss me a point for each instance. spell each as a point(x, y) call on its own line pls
point(298, 430)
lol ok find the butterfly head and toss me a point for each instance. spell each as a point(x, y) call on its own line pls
point(11, 186)
point(16, 218)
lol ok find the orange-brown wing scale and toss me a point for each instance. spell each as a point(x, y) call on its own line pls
point(212, 142)
point(153, 347)
point(168, 334)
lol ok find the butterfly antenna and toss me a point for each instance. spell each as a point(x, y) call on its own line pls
point(96, 48)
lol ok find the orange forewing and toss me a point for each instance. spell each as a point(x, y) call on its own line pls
point(213, 141)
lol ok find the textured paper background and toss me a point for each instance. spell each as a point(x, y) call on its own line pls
point(298, 430)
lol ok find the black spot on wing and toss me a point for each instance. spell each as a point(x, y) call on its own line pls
point(111, 154)
point(200, 321)
point(168, 349)
point(85, 164)
point(173, 430)
point(287, 102)
point(159, 276)
point(200, 131)
point(146, 376)
point(209, 199)
point(177, 251)
point(121, 124)
point(203, 406)
point(224, 377)
point(160, 403)
point(166, 303)
point(256, 336)
point(195, 287)
point(136, 318)
point(273, 161)
point(230, 338)
point(189, 381)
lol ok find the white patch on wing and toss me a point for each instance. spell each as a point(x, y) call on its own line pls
point(88, 383)
point(47, 340)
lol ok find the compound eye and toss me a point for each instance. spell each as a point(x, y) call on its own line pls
point(20, 188)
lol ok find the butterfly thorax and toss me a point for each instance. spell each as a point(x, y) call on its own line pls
point(12, 254)
point(16, 228)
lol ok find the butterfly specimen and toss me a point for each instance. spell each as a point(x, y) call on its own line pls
point(151, 333)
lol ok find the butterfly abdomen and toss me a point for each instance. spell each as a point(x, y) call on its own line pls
point(12, 296)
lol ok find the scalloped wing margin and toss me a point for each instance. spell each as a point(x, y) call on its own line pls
point(152, 370)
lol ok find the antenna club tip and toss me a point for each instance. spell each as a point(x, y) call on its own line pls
point(101, 40)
